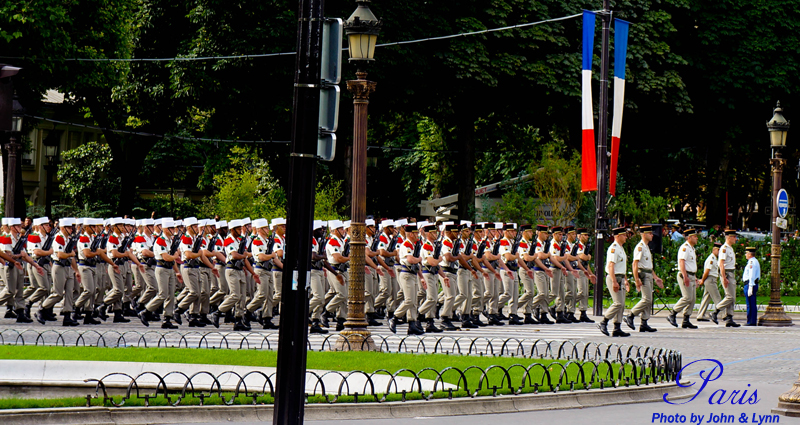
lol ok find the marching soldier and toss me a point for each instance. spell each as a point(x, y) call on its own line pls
point(13, 293)
point(263, 268)
point(236, 267)
point(527, 279)
point(509, 254)
point(561, 268)
point(727, 262)
point(571, 283)
point(279, 230)
point(87, 269)
point(616, 266)
point(118, 275)
point(143, 249)
point(40, 283)
point(335, 252)
point(430, 276)
point(541, 275)
point(687, 280)
point(386, 258)
point(371, 283)
point(709, 282)
point(167, 277)
point(318, 263)
point(220, 289)
point(585, 276)
point(448, 264)
point(409, 265)
point(644, 276)
point(63, 274)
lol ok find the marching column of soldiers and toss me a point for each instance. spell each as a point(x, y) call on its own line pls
point(205, 272)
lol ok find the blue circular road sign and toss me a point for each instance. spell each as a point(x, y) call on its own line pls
point(783, 203)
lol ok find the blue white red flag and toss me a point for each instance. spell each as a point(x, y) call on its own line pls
point(588, 158)
point(620, 52)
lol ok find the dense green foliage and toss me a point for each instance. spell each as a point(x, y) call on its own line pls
point(87, 177)
point(701, 82)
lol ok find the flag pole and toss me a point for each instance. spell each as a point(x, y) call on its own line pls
point(601, 221)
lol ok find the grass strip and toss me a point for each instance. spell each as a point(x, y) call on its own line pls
point(494, 375)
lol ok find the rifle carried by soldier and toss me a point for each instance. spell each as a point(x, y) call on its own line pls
point(21, 242)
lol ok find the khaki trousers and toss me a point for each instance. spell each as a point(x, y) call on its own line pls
point(710, 292)
point(428, 308)
point(237, 284)
point(616, 312)
point(478, 291)
point(63, 286)
point(277, 281)
point(492, 289)
point(449, 301)
point(688, 296)
point(408, 284)
point(13, 294)
point(510, 293)
point(150, 285)
point(89, 284)
point(385, 295)
point(263, 297)
point(219, 287)
point(191, 280)
point(529, 291)
point(726, 305)
point(338, 302)
point(570, 291)
point(40, 284)
point(463, 300)
point(583, 291)
point(645, 305)
point(541, 300)
point(166, 281)
point(317, 302)
point(114, 297)
point(557, 289)
point(370, 289)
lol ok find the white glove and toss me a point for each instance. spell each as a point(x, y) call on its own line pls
point(749, 291)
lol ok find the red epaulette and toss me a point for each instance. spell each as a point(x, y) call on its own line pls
point(186, 240)
point(59, 240)
point(427, 247)
point(448, 244)
point(228, 241)
point(138, 239)
point(114, 240)
point(257, 242)
point(504, 242)
point(408, 244)
point(383, 239)
point(161, 242)
point(34, 239)
point(84, 239)
point(334, 242)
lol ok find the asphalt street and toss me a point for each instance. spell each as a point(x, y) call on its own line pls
point(754, 359)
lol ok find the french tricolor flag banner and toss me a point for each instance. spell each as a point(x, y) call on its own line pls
point(588, 158)
point(620, 52)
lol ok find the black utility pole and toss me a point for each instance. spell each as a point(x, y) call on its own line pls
point(291, 374)
point(601, 221)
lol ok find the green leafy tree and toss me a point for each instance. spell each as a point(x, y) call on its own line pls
point(88, 179)
point(640, 207)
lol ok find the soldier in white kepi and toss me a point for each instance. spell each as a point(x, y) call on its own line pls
point(335, 253)
point(616, 267)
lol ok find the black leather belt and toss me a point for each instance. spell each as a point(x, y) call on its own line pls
point(232, 266)
point(120, 261)
point(451, 270)
point(165, 264)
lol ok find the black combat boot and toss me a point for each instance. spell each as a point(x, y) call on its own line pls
point(414, 328)
point(371, 320)
point(316, 328)
point(168, 323)
point(629, 321)
point(671, 319)
point(560, 317)
point(729, 323)
point(340, 324)
point(603, 326)
point(266, 323)
point(529, 320)
point(644, 327)
point(21, 317)
point(68, 321)
point(544, 320)
point(584, 318)
point(448, 325)
point(687, 324)
point(618, 330)
point(513, 319)
point(120, 318)
point(431, 328)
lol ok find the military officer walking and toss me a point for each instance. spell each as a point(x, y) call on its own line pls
point(616, 266)
point(687, 280)
point(644, 275)
point(727, 269)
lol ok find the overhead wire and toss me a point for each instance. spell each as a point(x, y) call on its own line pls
point(265, 55)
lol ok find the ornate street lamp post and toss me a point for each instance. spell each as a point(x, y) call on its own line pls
point(14, 147)
point(778, 128)
point(362, 30)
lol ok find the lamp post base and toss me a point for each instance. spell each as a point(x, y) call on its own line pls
point(789, 402)
point(357, 339)
point(775, 316)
